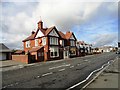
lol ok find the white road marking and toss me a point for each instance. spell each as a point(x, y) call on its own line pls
point(86, 60)
point(16, 83)
point(20, 66)
point(47, 74)
point(103, 66)
point(38, 76)
point(74, 58)
point(62, 69)
point(10, 85)
point(14, 66)
point(64, 63)
point(71, 66)
point(59, 66)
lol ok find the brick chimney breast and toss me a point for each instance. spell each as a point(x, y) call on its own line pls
point(40, 24)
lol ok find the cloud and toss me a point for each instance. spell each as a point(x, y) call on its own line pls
point(63, 14)
point(105, 39)
point(15, 29)
point(92, 31)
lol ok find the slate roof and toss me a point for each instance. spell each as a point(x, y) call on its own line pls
point(45, 31)
point(4, 48)
point(20, 51)
point(69, 34)
point(34, 49)
point(49, 30)
point(62, 35)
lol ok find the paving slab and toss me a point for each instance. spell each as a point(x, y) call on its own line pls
point(7, 63)
point(107, 79)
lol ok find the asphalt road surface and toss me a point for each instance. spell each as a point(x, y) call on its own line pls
point(62, 74)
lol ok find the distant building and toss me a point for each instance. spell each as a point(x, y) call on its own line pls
point(83, 48)
point(106, 49)
point(5, 52)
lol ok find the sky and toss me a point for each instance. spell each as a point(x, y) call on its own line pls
point(94, 22)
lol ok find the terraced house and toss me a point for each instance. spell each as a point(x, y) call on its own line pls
point(49, 43)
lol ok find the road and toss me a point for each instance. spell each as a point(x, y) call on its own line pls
point(61, 74)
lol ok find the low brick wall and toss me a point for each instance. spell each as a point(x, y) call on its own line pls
point(21, 58)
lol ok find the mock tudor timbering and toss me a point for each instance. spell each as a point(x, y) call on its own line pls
point(49, 44)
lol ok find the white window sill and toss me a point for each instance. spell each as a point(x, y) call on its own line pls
point(53, 56)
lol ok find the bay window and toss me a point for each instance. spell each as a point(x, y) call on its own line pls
point(53, 40)
point(54, 52)
point(73, 51)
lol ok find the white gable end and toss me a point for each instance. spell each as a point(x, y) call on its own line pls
point(53, 33)
point(72, 37)
point(39, 34)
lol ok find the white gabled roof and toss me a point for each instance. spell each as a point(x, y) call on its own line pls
point(53, 33)
point(39, 34)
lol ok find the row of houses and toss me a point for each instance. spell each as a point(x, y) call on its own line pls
point(83, 48)
point(104, 49)
point(51, 44)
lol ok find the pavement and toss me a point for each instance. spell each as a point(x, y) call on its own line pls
point(55, 74)
point(108, 78)
point(10, 65)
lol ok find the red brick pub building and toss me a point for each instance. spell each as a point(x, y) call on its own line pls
point(48, 44)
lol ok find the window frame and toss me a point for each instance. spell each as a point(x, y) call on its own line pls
point(27, 44)
point(53, 51)
point(53, 40)
point(36, 42)
point(44, 41)
point(72, 43)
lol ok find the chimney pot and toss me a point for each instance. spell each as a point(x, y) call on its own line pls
point(32, 32)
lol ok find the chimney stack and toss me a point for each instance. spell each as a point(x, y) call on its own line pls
point(32, 32)
point(40, 24)
point(68, 31)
